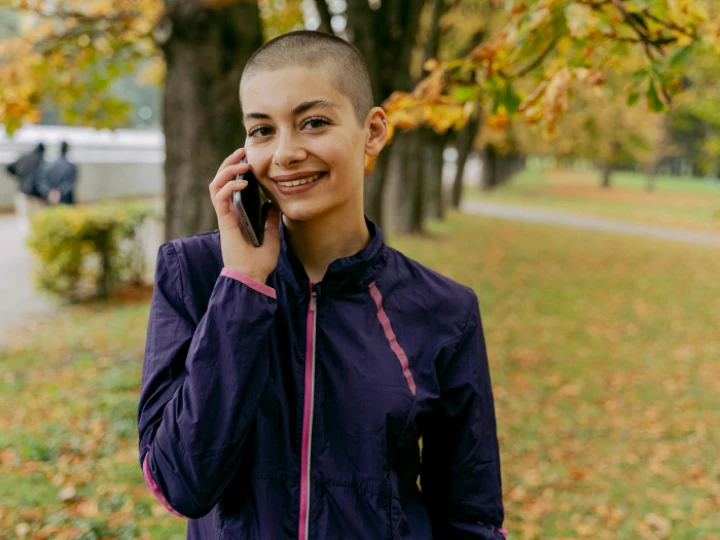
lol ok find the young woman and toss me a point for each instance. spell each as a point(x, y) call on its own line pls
point(286, 387)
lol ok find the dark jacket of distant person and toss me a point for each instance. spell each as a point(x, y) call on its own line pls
point(28, 169)
point(60, 175)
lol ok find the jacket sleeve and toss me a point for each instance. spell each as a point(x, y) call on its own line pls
point(67, 184)
point(460, 469)
point(43, 182)
point(201, 384)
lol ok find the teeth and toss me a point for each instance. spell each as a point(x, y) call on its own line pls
point(300, 181)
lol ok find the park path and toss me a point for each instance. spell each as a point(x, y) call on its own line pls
point(18, 298)
point(521, 213)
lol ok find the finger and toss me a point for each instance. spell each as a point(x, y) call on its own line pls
point(233, 158)
point(224, 195)
point(226, 175)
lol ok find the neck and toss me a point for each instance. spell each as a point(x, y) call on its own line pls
point(320, 241)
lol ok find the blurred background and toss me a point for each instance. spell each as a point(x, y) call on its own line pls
point(561, 157)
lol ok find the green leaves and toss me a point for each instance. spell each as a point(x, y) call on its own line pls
point(656, 105)
point(464, 94)
point(681, 56)
point(506, 99)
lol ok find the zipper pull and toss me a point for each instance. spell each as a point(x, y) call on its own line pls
point(313, 301)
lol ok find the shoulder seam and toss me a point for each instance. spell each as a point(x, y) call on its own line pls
point(473, 306)
point(179, 282)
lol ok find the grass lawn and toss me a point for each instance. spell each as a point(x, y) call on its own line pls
point(604, 352)
point(684, 203)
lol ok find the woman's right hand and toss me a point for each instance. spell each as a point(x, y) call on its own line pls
point(238, 252)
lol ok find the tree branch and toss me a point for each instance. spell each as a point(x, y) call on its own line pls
point(325, 17)
point(539, 60)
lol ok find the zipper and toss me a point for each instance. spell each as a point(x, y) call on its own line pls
point(305, 453)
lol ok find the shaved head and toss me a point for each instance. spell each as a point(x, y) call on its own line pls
point(337, 59)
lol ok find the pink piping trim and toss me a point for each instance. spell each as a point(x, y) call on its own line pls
point(250, 282)
point(503, 532)
point(390, 335)
point(150, 481)
point(307, 406)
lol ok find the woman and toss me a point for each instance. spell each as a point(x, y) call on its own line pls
point(285, 387)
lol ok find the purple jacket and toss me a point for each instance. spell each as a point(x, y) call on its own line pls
point(292, 410)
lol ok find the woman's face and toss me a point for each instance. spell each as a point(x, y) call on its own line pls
point(300, 126)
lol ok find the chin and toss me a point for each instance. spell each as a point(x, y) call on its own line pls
point(302, 211)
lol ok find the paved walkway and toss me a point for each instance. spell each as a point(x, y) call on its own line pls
point(520, 213)
point(18, 299)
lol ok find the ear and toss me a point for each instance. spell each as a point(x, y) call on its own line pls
point(377, 131)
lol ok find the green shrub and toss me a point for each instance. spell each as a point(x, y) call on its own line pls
point(85, 250)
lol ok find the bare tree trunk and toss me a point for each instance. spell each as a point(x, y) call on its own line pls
point(205, 51)
point(607, 174)
point(325, 16)
point(404, 175)
point(434, 147)
point(651, 173)
point(464, 139)
point(375, 187)
point(675, 166)
point(490, 171)
point(697, 171)
point(415, 181)
point(608, 166)
point(386, 38)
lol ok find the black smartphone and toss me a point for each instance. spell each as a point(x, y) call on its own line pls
point(252, 204)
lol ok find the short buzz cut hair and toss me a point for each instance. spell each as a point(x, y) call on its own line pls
point(310, 49)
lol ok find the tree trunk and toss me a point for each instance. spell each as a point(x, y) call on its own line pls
point(404, 177)
point(375, 187)
point(432, 172)
point(386, 38)
point(697, 171)
point(607, 174)
point(675, 166)
point(205, 51)
point(502, 170)
point(651, 173)
point(325, 16)
point(464, 139)
point(490, 171)
point(414, 175)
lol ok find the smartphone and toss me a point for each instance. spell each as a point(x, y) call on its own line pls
point(252, 203)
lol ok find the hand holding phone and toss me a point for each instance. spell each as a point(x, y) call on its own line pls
point(238, 250)
point(252, 204)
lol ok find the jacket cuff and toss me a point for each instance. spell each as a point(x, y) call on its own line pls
point(153, 487)
point(250, 282)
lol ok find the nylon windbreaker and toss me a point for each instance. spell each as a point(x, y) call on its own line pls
point(293, 410)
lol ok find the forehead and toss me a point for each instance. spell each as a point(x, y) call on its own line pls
point(277, 92)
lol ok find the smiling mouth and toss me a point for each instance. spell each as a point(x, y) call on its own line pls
point(301, 181)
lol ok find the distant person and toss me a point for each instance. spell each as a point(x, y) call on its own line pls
point(57, 184)
point(28, 169)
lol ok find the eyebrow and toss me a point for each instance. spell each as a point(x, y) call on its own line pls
point(304, 106)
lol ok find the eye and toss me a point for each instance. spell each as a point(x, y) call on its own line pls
point(315, 123)
point(258, 131)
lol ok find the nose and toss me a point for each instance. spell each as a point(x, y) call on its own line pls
point(288, 152)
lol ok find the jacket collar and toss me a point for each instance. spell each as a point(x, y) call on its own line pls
point(343, 275)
